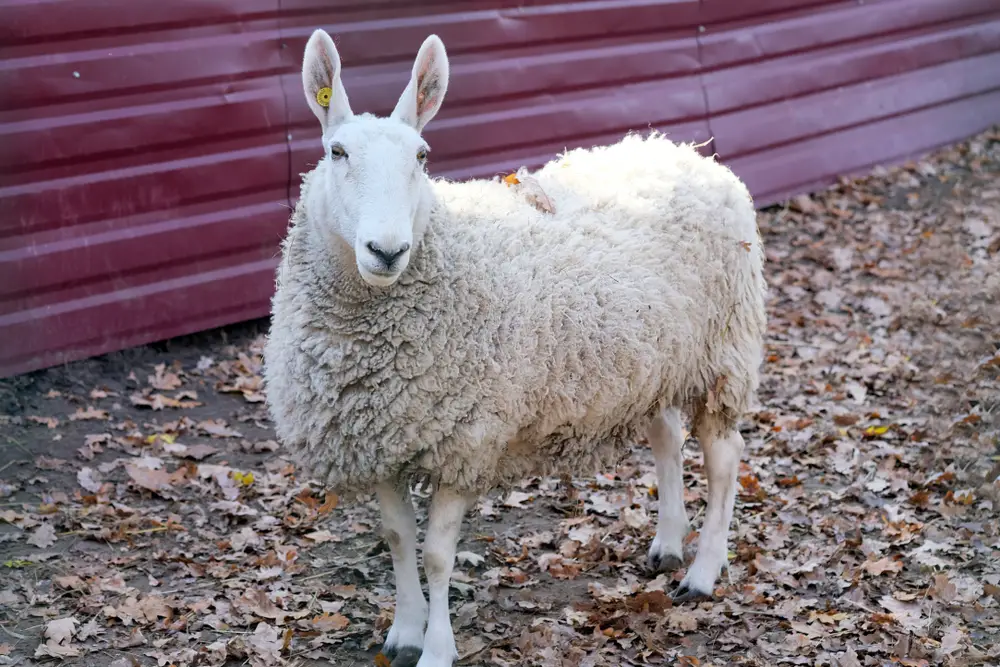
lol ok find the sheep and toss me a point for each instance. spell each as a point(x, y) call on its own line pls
point(451, 331)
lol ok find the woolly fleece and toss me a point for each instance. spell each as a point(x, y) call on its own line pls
point(519, 342)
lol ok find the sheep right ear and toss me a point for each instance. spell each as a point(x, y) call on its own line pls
point(428, 84)
point(325, 93)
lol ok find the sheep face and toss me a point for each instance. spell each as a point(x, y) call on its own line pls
point(376, 187)
point(376, 192)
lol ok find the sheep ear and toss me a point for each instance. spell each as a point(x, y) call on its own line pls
point(428, 83)
point(325, 93)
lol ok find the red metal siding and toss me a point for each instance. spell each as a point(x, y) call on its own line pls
point(149, 153)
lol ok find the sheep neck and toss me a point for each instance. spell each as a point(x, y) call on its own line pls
point(345, 293)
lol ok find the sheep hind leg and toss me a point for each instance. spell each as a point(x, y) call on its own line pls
point(666, 439)
point(722, 447)
point(399, 525)
point(447, 511)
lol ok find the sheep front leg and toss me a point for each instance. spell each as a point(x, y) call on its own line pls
point(722, 462)
point(444, 524)
point(666, 439)
point(399, 525)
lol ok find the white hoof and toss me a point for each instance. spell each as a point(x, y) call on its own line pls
point(407, 631)
point(700, 579)
point(664, 558)
point(439, 647)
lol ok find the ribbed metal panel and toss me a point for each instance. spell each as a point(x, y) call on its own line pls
point(150, 152)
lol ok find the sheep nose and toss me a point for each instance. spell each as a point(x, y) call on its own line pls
point(388, 258)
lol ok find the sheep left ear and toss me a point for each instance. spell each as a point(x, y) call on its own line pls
point(428, 83)
point(321, 82)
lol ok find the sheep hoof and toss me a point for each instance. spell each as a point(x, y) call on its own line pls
point(685, 593)
point(404, 656)
point(657, 562)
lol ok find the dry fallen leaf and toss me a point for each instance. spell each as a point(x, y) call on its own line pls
point(90, 413)
point(88, 479)
point(528, 187)
point(163, 380)
point(266, 645)
point(49, 463)
point(58, 634)
point(517, 499)
point(682, 620)
point(882, 565)
point(69, 581)
point(951, 641)
point(219, 429)
point(245, 538)
point(153, 480)
point(469, 558)
point(255, 600)
point(635, 518)
point(43, 537)
point(198, 452)
point(532, 190)
point(330, 622)
point(159, 401)
point(321, 536)
point(61, 629)
point(908, 614)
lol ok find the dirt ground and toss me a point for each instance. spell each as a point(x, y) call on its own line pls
point(148, 517)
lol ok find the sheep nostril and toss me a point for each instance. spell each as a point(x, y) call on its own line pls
point(385, 257)
point(390, 258)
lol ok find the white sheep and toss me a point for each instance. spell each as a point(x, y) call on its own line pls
point(453, 331)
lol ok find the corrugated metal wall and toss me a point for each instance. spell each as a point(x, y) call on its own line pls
point(150, 152)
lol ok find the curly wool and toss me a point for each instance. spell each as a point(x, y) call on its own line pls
point(517, 342)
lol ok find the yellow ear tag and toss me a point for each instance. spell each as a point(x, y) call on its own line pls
point(323, 96)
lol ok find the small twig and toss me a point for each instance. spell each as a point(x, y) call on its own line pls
point(11, 632)
point(159, 529)
point(18, 444)
point(15, 462)
point(783, 343)
point(356, 561)
point(755, 612)
point(972, 462)
point(701, 510)
point(860, 606)
point(321, 574)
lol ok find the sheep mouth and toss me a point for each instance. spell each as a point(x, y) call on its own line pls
point(378, 277)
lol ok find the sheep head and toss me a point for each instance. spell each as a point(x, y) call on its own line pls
point(374, 183)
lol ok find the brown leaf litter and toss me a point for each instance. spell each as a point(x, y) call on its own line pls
point(148, 516)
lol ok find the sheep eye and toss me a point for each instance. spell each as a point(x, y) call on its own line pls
point(422, 155)
point(337, 151)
